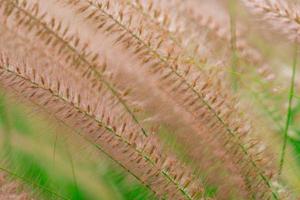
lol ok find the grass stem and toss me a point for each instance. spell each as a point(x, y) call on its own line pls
point(289, 110)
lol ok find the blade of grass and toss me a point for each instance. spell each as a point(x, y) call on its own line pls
point(54, 148)
point(289, 110)
point(72, 165)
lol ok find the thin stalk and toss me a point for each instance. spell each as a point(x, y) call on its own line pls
point(54, 148)
point(289, 110)
point(72, 166)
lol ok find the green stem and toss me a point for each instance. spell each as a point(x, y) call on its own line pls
point(289, 110)
point(72, 166)
point(54, 149)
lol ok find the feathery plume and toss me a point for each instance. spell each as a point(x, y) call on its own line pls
point(279, 14)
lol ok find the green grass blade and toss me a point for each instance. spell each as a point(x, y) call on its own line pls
point(289, 111)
